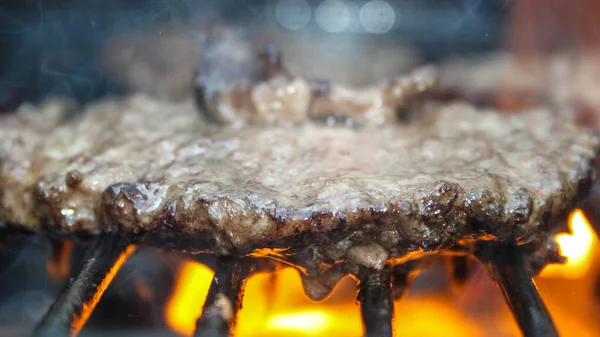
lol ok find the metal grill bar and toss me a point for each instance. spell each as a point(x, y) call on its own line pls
point(505, 264)
point(401, 278)
point(376, 304)
point(459, 269)
point(5, 236)
point(76, 303)
point(224, 298)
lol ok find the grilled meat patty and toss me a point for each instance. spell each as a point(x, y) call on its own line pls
point(156, 172)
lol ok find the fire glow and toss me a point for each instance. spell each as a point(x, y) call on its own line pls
point(577, 247)
point(319, 320)
point(89, 306)
point(275, 304)
point(185, 305)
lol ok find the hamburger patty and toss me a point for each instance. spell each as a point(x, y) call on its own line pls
point(156, 172)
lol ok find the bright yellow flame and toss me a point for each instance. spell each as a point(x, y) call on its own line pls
point(314, 322)
point(275, 305)
point(577, 247)
point(185, 304)
point(433, 317)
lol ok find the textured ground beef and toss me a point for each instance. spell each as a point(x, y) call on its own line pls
point(157, 172)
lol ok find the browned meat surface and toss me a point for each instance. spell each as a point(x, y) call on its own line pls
point(156, 171)
point(569, 83)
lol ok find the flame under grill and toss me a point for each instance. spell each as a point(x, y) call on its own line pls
point(200, 307)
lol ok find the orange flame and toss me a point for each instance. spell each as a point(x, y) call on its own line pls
point(570, 290)
point(315, 321)
point(187, 300)
point(282, 309)
point(578, 247)
point(276, 305)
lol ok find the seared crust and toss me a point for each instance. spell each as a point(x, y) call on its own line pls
point(155, 171)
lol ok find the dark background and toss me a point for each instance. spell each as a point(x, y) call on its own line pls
point(52, 47)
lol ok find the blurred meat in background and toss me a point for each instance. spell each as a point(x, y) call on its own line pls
point(55, 47)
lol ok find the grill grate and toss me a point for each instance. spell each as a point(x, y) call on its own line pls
point(376, 303)
point(504, 262)
point(506, 266)
point(75, 304)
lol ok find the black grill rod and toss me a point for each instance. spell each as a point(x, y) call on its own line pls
point(5, 235)
point(224, 298)
point(75, 304)
point(459, 269)
point(506, 265)
point(376, 303)
point(401, 277)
